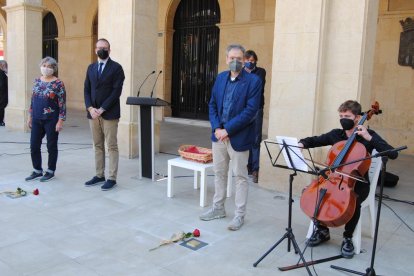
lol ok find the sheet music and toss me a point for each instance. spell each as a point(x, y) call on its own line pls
point(294, 151)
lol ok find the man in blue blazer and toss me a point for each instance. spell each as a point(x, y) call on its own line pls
point(234, 102)
point(102, 90)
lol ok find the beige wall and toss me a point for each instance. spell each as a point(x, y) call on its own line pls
point(392, 84)
point(322, 57)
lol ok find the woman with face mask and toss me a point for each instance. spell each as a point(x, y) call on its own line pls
point(46, 116)
point(349, 117)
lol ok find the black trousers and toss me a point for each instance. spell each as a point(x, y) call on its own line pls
point(2, 114)
point(40, 128)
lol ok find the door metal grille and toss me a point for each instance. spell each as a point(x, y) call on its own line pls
point(50, 33)
point(195, 57)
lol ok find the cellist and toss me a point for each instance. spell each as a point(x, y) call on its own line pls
point(349, 116)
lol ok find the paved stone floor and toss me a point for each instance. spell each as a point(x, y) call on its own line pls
point(69, 229)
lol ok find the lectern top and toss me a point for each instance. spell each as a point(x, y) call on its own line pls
point(146, 101)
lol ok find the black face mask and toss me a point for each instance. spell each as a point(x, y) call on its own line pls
point(103, 54)
point(346, 123)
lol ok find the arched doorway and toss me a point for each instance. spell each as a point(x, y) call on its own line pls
point(94, 36)
point(195, 57)
point(50, 33)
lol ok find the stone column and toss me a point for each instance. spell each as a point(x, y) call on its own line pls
point(322, 56)
point(24, 37)
point(131, 28)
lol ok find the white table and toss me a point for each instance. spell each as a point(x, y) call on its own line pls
point(199, 169)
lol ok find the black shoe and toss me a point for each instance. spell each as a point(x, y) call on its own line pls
point(320, 236)
point(109, 184)
point(94, 181)
point(33, 176)
point(255, 175)
point(249, 171)
point(48, 176)
point(2, 124)
point(347, 248)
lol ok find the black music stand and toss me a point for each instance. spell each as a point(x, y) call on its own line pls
point(291, 166)
point(370, 270)
point(146, 135)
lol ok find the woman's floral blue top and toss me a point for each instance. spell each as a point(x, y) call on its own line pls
point(48, 100)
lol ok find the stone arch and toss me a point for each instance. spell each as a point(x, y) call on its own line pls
point(90, 18)
point(53, 7)
point(3, 26)
point(226, 16)
point(227, 11)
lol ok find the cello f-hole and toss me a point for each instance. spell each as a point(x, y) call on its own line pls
point(340, 184)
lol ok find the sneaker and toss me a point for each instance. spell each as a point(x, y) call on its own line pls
point(236, 223)
point(320, 236)
point(255, 176)
point(94, 181)
point(48, 176)
point(213, 214)
point(347, 248)
point(33, 176)
point(109, 184)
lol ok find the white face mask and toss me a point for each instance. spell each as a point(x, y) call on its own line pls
point(46, 72)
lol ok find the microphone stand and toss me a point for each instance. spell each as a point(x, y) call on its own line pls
point(152, 91)
point(139, 89)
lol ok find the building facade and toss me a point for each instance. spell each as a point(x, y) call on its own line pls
point(317, 54)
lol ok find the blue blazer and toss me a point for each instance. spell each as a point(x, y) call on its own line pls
point(105, 91)
point(246, 101)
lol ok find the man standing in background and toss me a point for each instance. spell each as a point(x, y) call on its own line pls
point(250, 65)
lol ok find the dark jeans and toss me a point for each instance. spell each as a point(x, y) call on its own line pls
point(2, 114)
point(40, 128)
point(362, 191)
point(254, 152)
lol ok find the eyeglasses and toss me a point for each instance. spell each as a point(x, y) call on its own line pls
point(102, 48)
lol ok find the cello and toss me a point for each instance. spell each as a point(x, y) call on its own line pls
point(330, 198)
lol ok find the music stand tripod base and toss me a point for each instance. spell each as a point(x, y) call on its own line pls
point(289, 233)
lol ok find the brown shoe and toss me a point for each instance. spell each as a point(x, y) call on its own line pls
point(255, 175)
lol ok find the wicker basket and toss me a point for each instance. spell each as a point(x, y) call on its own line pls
point(195, 153)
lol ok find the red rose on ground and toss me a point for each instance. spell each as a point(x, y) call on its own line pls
point(36, 192)
point(196, 233)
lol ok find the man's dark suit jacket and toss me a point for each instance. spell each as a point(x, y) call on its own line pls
point(104, 91)
point(4, 98)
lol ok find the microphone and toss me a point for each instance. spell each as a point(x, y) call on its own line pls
point(152, 92)
point(139, 89)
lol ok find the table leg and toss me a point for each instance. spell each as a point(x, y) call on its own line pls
point(203, 189)
point(196, 180)
point(170, 189)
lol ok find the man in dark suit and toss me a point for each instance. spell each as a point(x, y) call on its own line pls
point(250, 65)
point(102, 90)
point(234, 102)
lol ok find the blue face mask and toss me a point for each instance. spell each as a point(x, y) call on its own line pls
point(250, 65)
